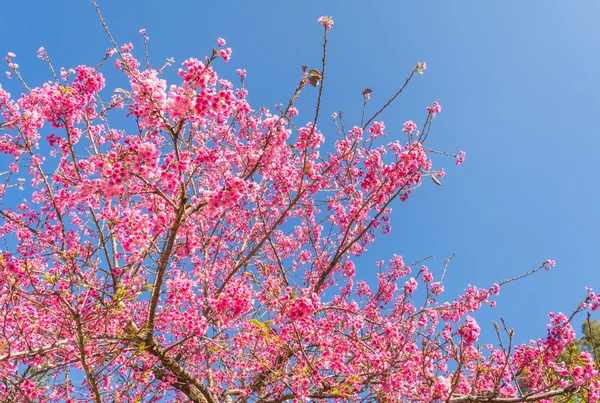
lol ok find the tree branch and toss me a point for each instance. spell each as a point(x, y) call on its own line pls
point(162, 266)
point(34, 351)
point(522, 399)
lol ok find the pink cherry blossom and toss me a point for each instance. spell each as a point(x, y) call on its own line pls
point(225, 54)
point(326, 21)
point(376, 129)
point(164, 240)
point(409, 127)
point(460, 158)
point(469, 331)
point(435, 109)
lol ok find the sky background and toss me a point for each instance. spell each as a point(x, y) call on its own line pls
point(518, 86)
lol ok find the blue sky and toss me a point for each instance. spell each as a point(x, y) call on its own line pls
point(517, 82)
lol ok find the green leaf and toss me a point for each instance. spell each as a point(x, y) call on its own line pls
point(50, 278)
point(263, 326)
point(119, 294)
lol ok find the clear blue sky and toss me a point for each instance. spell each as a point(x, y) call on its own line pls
point(517, 81)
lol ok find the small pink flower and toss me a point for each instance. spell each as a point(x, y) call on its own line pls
point(410, 286)
point(8, 74)
point(469, 331)
point(299, 308)
point(460, 158)
point(442, 387)
point(143, 31)
point(427, 276)
point(437, 288)
point(409, 127)
point(11, 54)
point(326, 21)
point(225, 54)
point(549, 264)
point(127, 48)
point(221, 41)
point(433, 110)
point(376, 129)
point(241, 73)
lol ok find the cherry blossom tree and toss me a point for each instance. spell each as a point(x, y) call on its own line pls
point(208, 253)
